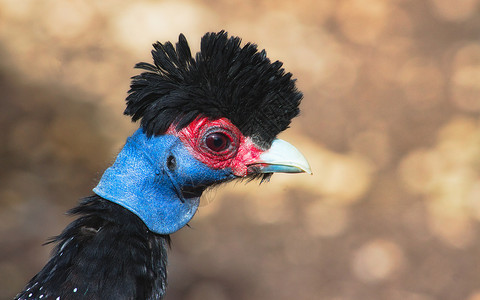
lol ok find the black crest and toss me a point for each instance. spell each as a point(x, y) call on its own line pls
point(224, 80)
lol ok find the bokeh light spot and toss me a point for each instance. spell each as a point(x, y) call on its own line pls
point(465, 78)
point(376, 260)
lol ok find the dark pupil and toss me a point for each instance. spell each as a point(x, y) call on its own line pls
point(217, 142)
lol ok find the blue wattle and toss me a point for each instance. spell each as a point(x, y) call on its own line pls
point(141, 181)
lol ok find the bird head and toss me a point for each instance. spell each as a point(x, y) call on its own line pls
point(204, 121)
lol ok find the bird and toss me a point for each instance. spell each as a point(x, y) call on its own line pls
point(204, 120)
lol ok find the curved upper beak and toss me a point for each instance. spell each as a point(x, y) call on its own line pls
point(282, 157)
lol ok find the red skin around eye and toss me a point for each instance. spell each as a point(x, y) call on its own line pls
point(242, 153)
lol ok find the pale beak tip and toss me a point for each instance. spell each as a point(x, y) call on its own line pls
point(306, 168)
point(309, 171)
point(283, 157)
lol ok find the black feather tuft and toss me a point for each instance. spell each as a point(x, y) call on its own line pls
point(224, 80)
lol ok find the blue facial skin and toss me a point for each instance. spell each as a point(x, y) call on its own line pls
point(152, 178)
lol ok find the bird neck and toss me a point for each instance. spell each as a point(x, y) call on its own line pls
point(107, 253)
point(142, 181)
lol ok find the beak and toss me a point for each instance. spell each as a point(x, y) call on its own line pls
point(282, 157)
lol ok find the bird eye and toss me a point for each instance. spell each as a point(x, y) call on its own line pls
point(217, 141)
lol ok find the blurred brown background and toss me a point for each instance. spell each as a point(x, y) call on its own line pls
point(390, 125)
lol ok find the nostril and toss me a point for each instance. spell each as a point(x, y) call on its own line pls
point(171, 163)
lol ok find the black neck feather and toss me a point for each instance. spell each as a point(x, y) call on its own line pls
point(107, 253)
